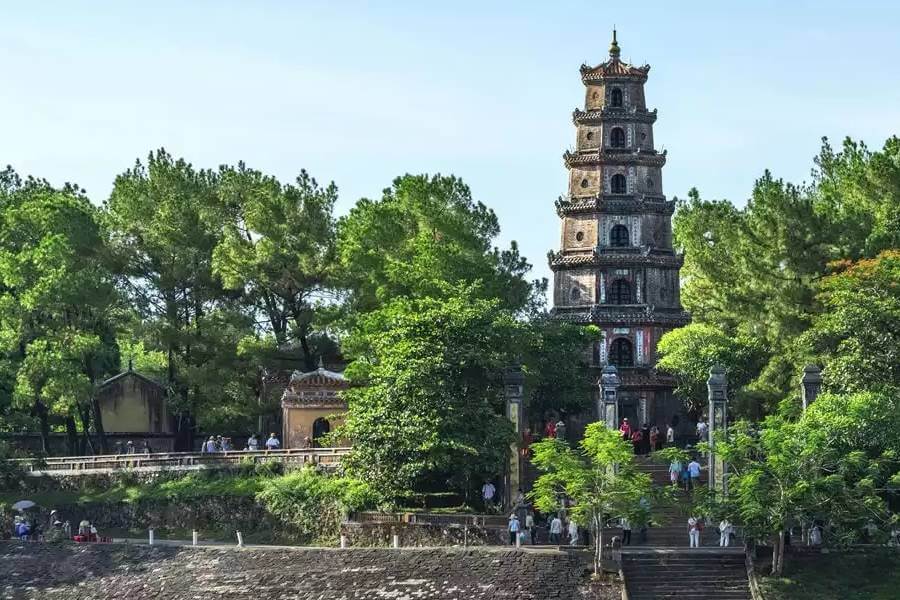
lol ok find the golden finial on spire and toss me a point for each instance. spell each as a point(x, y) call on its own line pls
point(614, 47)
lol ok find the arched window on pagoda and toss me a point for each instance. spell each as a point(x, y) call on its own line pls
point(616, 98)
point(618, 236)
point(618, 184)
point(620, 292)
point(617, 137)
point(621, 353)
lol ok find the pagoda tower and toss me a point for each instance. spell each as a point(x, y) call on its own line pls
point(616, 267)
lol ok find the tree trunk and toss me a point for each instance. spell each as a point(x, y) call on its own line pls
point(98, 425)
point(778, 555)
point(85, 414)
point(41, 412)
point(71, 436)
point(598, 545)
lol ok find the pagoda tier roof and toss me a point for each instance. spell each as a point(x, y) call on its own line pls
point(609, 257)
point(583, 117)
point(614, 68)
point(607, 156)
point(617, 204)
point(622, 314)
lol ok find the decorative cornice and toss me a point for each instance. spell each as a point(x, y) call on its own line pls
point(624, 204)
point(615, 314)
point(642, 377)
point(592, 117)
point(611, 258)
point(607, 156)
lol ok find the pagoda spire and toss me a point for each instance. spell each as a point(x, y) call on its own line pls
point(614, 50)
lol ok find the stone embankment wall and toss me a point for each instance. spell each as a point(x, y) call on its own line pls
point(107, 572)
point(422, 534)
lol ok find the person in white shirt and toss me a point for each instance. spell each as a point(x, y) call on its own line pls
point(694, 531)
point(529, 526)
point(272, 443)
point(487, 493)
point(702, 429)
point(555, 529)
point(724, 533)
point(573, 533)
point(626, 532)
point(670, 435)
point(210, 446)
point(815, 536)
point(513, 529)
point(253, 443)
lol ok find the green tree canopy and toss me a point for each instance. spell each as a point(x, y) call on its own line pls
point(599, 476)
point(689, 352)
point(857, 335)
point(57, 300)
point(424, 233)
point(429, 405)
point(278, 250)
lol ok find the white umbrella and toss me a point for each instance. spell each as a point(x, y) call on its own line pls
point(23, 505)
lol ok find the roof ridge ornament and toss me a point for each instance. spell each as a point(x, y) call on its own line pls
point(614, 50)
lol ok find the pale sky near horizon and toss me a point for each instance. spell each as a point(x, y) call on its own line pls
point(359, 93)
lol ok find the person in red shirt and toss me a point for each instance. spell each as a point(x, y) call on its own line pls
point(550, 429)
point(625, 429)
point(637, 439)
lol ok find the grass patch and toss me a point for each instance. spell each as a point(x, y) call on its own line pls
point(864, 576)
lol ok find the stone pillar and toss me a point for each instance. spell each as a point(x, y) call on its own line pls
point(810, 384)
point(513, 389)
point(717, 384)
point(608, 404)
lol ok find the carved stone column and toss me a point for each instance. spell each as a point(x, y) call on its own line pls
point(717, 384)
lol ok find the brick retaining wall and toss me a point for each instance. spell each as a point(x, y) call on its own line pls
point(107, 572)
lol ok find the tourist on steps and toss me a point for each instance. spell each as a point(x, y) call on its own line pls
point(645, 438)
point(694, 468)
point(626, 532)
point(670, 435)
point(654, 439)
point(513, 528)
point(272, 443)
point(637, 441)
point(487, 493)
point(675, 468)
point(685, 477)
point(555, 529)
point(694, 529)
point(725, 530)
point(573, 532)
point(625, 430)
point(529, 527)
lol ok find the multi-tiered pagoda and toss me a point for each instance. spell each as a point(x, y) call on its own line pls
point(617, 268)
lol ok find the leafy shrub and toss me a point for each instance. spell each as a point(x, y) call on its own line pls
point(313, 504)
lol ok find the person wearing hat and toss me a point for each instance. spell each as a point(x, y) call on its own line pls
point(625, 430)
point(272, 443)
point(210, 446)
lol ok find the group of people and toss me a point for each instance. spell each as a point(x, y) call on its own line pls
point(695, 532)
point(685, 475)
point(526, 533)
point(217, 443)
point(646, 438)
point(131, 448)
point(57, 530)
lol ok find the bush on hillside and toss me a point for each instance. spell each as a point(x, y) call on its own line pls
point(314, 504)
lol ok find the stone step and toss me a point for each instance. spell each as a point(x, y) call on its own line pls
point(685, 575)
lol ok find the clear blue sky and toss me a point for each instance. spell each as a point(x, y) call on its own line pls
point(361, 92)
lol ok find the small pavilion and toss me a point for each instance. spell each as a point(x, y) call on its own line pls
point(312, 405)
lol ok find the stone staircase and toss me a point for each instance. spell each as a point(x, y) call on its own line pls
point(663, 566)
point(685, 574)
